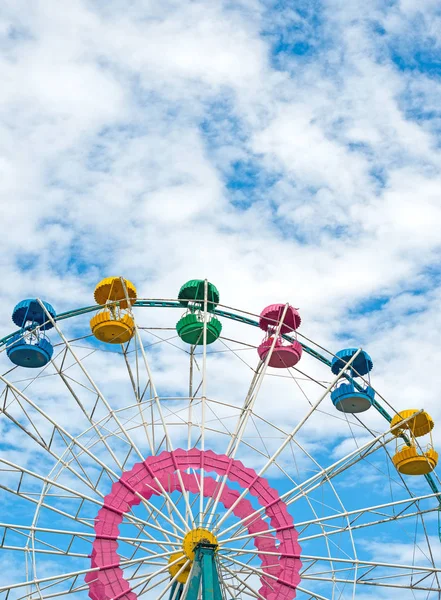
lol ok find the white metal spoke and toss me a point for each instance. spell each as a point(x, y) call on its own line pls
point(168, 438)
point(89, 484)
point(108, 407)
point(42, 551)
point(247, 409)
point(71, 574)
point(86, 414)
point(287, 440)
point(75, 518)
point(233, 590)
point(147, 586)
point(203, 402)
point(75, 493)
point(190, 399)
point(59, 427)
point(379, 580)
point(311, 594)
point(244, 583)
point(333, 470)
point(173, 579)
point(315, 559)
point(65, 482)
point(147, 504)
point(333, 579)
point(80, 534)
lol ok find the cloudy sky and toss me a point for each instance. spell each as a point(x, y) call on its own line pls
point(285, 152)
point(288, 151)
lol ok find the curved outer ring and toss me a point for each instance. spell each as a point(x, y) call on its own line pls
point(227, 314)
point(109, 583)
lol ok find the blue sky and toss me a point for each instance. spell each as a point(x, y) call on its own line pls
point(288, 151)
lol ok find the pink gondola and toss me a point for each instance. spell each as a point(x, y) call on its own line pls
point(283, 356)
point(285, 353)
point(271, 316)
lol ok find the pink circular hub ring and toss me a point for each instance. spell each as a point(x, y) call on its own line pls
point(147, 478)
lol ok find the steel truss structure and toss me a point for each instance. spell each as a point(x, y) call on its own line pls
point(71, 430)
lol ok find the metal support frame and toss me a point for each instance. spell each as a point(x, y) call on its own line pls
point(204, 580)
point(176, 591)
point(204, 572)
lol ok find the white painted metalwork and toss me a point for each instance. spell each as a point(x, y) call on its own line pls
point(56, 470)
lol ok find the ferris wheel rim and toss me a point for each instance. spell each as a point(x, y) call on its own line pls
point(96, 307)
point(234, 314)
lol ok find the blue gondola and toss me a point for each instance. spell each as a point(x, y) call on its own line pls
point(30, 347)
point(31, 355)
point(31, 311)
point(346, 398)
point(360, 367)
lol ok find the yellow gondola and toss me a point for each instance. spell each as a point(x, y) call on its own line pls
point(111, 289)
point(114, 324)
point(409, 459)
point(421, 424)
point(112, 330)
point(175, 568)
point(410, 462)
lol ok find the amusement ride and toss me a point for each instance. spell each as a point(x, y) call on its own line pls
point(186, 450)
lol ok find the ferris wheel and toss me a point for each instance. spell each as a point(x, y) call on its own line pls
point(183, 449)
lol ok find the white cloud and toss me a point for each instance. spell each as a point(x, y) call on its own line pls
point(119, 126)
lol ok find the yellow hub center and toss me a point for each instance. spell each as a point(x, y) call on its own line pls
point(191, 540)
point(195, 537)
point(174, 569)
